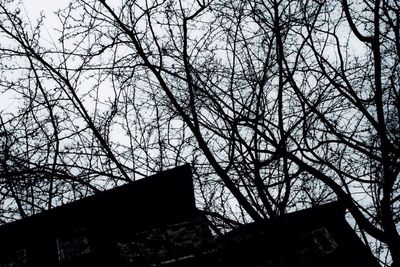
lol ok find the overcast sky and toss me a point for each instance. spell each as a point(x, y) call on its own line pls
point(33, 7)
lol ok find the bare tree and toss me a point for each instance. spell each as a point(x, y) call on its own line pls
point(278, 105)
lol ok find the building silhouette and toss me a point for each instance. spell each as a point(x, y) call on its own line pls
point(154, 222)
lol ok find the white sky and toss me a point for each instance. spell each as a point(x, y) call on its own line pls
point(48, 7)
point(33, 7)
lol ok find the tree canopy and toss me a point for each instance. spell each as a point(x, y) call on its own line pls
point(277, 105)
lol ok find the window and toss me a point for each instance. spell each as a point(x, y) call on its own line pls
point(314, 245)
point(72, 245)
point(324, 241)
point(17, 259)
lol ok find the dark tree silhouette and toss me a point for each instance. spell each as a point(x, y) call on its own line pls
point(278, 105)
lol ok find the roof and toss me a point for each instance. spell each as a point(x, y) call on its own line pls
point(165, 197)
point(318, 236)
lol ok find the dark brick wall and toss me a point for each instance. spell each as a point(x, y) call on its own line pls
point(166, 244)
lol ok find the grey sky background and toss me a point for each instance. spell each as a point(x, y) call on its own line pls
point(33, 7)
